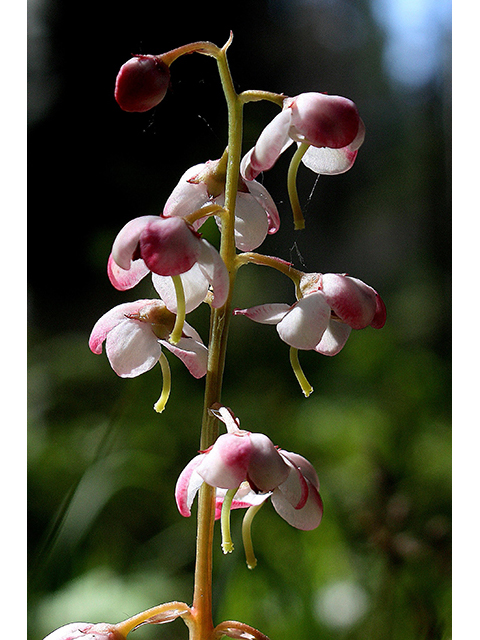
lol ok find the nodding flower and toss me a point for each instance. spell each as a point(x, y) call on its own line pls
point(246, 469)
point(168, 248)
point(330, 125)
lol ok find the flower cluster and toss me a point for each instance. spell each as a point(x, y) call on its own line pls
point(239, 469)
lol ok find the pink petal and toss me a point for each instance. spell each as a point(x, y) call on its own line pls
point(306, 467)
point(215, 271)
point(306, 518)
point(188, 484)
point(193, 353)
point(305, 323)
point(294, 489)
point(123, 280)
point(126, 242)
point(142, 83)
point(226, 463)
point(266, 468)
point(110, 320)
point(352, 300)
point(273, 140)
point(169, 246)
point(380, 316)
point(265, 313)
point(323, 120)
point(70, 631)
point(244, 498)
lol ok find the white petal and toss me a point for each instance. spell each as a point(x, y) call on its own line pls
point(187, 197)
point(251, 223)
point(334, 338)
point(306, 518)
point(188, 484)
point(111, 319)
point(260, 193)
point(265, 313)
point(123, 279)
point(305, 323)
point(214, 269)
point(328, 161)
point(294, 489)
point(192, 353)
point(195, 287)
point(132, 348)
point(271, 143)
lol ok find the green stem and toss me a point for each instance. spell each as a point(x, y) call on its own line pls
point(161, 613)
point(247, 535)
point(250, 257)
point(298, 371)
point(219, 324)
point(159, 406)
point(181, 311)
point(298, 219)
point(203, 47)
point(256, 96)
point(227, 543)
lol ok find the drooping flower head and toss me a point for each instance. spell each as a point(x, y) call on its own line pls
point(322, 319)
point(331, 126)
point(256, 214)
point(142, 83)
point(331, 306)
point(167, 247)
point(136, 332)
point(246, 469)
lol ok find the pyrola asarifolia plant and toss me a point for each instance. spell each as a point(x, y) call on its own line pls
point(239, 469)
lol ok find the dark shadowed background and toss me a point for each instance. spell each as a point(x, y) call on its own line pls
point(105, 537)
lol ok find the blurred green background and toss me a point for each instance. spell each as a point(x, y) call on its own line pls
point(105, 537)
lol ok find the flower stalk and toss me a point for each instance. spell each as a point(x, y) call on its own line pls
point(219, 325)
point(298, 219)
point(239, 469)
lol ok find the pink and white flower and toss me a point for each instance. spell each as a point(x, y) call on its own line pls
point(256, 214)
point(330, 124)
point(168, 247)
point(322, 320)
point(135, 333)
point(86, 631)
point(250, 464)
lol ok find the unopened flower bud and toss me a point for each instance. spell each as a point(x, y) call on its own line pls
point(142, 83)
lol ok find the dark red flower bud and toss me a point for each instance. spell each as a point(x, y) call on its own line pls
point(142, 83)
